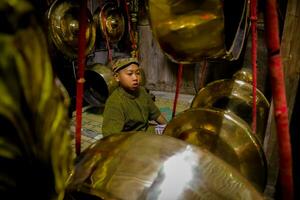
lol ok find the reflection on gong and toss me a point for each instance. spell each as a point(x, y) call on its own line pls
point(137, 165)
point(226, 136)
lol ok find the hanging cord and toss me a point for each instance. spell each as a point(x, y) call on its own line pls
point(103, 22)
point(279, 99)
point(178, 85)
point(80, 73)
point(253, 13)
point(203, 73)
point(131, 33)
point(200, 76)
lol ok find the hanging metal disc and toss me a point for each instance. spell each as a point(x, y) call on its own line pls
point(111, 22)
point(63, 17)
point(225, 135)
point(189, 31)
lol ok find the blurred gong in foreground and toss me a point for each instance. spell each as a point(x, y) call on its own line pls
point(137, 165)
point(188, 31)
point(111, 22)
point(226, 136)
point(235, 95)
point(63, 18)
point(35, 142)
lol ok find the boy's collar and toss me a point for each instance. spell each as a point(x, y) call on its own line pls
point(130, 95)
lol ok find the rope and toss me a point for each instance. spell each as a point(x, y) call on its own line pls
point(131, 34)
point(253, 7)
point(203, 73)
point(80, 80)
point(178, 84)
point(103, 22)
point(279, 99)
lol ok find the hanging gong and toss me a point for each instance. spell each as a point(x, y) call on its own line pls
point(235, 95)
point(100, 83)
point(189, 31)
point(136, 166)
point(111, 22)
point(63, 17)
point(225, 135)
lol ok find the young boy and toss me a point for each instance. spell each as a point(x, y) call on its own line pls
point(129, 107)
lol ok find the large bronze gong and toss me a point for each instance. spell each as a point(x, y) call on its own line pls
point(139, 165)
point(63, 18)
point(189, 31)
point(226, 136)
point(235, 95)
point(100, 83)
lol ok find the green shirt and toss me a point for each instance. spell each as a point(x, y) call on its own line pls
point(128, 112)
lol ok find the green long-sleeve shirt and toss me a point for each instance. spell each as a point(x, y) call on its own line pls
point(128, 112)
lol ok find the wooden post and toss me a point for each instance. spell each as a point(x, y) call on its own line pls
point(290, 52)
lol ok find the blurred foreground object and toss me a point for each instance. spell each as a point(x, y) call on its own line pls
point(137, 165)
point(35, 150)
point(226, 136)
point(63, 20)
point(189, 31)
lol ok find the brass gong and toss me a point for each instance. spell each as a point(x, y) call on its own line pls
point(137, 165)
point(99, 84)
point(226, 136)
point(63, 17)
point(189, 31)
point(235, 95)
point(109, 18)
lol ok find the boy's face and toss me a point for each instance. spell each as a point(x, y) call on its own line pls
point(129, 77)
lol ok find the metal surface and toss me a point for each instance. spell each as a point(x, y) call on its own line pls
point(100, 83)
point(189, 31)
point(110, 21)
point(235, 95)
point(137, 165)
point(63, 18)
point(226, 136)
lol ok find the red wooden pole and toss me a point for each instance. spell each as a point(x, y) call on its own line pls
point(80, 73)
point(279, 99)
